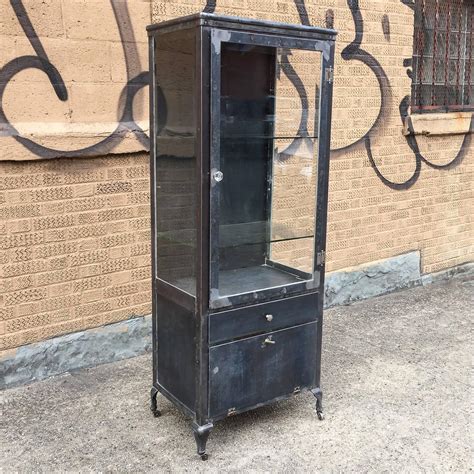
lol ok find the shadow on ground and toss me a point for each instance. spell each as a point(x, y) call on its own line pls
point(396, 381)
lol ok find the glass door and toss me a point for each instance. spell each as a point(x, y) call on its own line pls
point(264, 168)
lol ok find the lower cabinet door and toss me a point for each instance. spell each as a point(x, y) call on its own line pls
point(252, 371)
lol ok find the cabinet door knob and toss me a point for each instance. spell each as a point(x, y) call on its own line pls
point(269, 317)
point(218, 176)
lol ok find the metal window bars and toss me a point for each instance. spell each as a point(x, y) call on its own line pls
point(443, 67)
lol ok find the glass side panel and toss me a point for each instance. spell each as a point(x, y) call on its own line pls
point(176, 159)
point(269, 123)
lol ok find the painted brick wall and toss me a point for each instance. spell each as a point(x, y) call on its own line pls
point(74, 232)
point(73, 77)
point(74, 245)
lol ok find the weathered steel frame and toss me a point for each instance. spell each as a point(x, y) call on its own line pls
point(208, 30)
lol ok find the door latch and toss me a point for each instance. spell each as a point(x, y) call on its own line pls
point(330, 74)
point(321, 258)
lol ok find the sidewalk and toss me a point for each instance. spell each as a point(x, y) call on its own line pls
point(397, 397)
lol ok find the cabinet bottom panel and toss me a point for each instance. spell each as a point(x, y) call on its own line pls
point(175, 349)
point(252, 371)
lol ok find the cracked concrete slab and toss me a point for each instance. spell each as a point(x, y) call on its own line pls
point(398, 397)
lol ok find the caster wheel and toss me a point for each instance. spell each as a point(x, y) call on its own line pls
point(204, 457)
point(320, 415)
point(156, 413)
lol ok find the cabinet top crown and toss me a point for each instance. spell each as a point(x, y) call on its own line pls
point(242, 24)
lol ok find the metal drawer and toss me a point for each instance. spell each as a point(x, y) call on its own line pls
point(261, 318)
point(249, 372)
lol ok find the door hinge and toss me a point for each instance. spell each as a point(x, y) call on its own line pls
point(321, 258)
point(330, 74)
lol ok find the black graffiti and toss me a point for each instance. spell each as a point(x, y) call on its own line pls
point(210, 6)
point(290, 72)
point(419, 158)
point(302, 12)
point(329, 18)
point(136, 81)
point(412, 140)
point(409, 3)
point(416, 173)
point(386, 27)
point(413, 144)
point(353, 51)
point(303, 135)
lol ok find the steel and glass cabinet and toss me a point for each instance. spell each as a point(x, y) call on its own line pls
point(240, 132)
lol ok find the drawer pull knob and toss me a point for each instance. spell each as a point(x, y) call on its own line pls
point(269, 340)
point(269, 317)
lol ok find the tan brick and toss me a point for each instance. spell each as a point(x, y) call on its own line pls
point(47, 108)
point(28, 322)
point(114, 187)
point(120, 278)
point(59, 290)
point(92, 295)
point(46, 16)
point(89, 270)
point(88, 244)
point(53, 222)
point(104, 96)
point(23, 296)
point(23, 225)
point(54, 235)
point(83, 190)
point(137, 64)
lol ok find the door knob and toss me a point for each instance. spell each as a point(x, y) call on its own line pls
point(218, 176)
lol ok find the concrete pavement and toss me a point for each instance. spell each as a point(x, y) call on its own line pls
point(397, 391)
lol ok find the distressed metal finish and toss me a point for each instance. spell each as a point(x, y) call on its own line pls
point(176, 350)
point(215, 355)
point(264, 317)
point(248, 372)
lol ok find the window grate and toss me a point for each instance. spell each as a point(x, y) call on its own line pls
point(443, 66)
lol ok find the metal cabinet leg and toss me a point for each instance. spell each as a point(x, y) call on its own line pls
point(153, 402)
point(319, 402)
point(201, 434)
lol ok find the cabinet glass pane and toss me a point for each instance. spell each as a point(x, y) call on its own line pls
point(176, 159)
point(269, 123)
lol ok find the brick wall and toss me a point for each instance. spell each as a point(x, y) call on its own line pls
point(71, 71)
point(74, 231)
point(74, 245)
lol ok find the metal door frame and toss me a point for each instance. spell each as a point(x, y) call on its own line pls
point(326, 48)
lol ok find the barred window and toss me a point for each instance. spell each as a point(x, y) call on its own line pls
point(443, 67)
